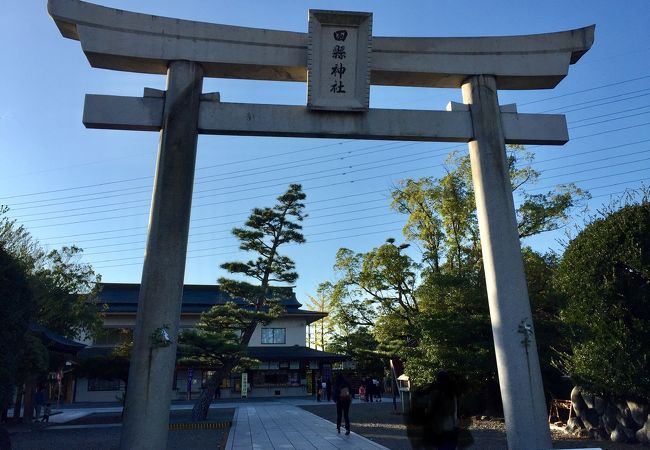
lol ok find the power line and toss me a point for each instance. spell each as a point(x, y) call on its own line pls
point(592, 151)
point(571, 173)
point(198, 169)
point(608, 115)
point(227, 201)
point(243, 212)
point(147, 190)
point(190, 251)
point(540, 161)
point(338, 238)
point(275, 155)
point(604, 103)
point(211, 204)
point(590, 179)
point(633, 95)
point(338, 169)
point(237, 214)
point(229, 230)
point(392, 230)
point(618, 83)
point(583, 163)
point(610, 120)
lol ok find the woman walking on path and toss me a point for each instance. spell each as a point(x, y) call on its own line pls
point(343, 398)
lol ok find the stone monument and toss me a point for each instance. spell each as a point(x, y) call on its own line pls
point(339, 59)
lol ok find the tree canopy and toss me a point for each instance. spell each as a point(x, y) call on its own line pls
point(15, 301)
point(50, 288)
point(425, 300)
point(224, 332)
point(605, 275)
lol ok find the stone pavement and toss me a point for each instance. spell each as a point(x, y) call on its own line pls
point(285, 426)
point(258, 424)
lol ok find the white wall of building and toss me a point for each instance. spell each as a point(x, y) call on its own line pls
point(296, 333)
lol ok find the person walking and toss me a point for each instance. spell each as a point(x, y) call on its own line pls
point(47, 413)
point(328, 389)
point(443, 405)
point(343, 398)
point(370, 390)
point(319, 389)
point(40, 402)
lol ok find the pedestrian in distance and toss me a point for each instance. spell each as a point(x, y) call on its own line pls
point(375, 387)
point(47, 413)
point(362, 392)
point(343, 398)
point(319, 389)
point(436, 425)
point(370, 390)
point(328, 389)
point(40, 402)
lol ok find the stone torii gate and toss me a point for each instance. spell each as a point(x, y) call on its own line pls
point(338, 58)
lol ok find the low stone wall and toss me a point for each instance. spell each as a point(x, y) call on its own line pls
point(609, 419)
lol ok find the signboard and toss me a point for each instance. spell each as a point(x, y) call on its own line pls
point(244, 385)
point(338, 60)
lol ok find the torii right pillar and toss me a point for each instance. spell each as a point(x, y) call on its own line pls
point(520, 377)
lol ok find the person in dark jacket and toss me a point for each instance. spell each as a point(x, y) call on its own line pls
point(434, 426)
point(343, 398)
point(370, 390)
point(328, 389)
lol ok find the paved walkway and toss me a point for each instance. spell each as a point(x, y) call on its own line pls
point(285, 426)
point(257, 424)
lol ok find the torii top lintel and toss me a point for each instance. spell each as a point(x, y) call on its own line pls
point(134, 42)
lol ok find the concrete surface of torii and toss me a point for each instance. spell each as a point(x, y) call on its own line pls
point(188, 51)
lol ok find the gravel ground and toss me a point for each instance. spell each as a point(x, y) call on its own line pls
point(378, 423)
point(106, 436)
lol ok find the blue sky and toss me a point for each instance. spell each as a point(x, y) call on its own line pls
point(71, 185)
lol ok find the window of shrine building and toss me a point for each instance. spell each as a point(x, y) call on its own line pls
point(274, 335)
point(99, 384)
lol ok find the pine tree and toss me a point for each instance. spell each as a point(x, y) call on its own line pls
point(231, 327)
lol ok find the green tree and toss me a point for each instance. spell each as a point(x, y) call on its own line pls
point(215, 342)
point(15, 305)
point(374, 284)
point(65, 292)
point(362, 348)
point(62, 295)
point(434, 310)
point(605, 274)
point(265, 231)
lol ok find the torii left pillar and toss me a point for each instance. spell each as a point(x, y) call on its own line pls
point(146, 414)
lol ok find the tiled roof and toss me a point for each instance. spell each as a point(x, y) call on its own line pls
point(123, 297)
point(55, 341)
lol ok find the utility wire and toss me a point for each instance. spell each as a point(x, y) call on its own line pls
point(632, 95)
point(282, 184)
point(275, 155)
point(582, 91)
